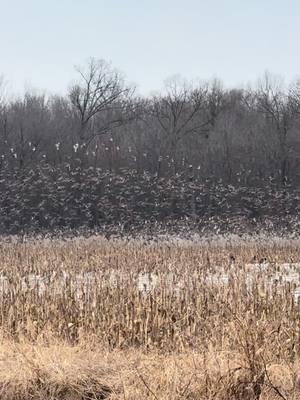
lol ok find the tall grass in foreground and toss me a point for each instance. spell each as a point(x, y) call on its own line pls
point(223, 314)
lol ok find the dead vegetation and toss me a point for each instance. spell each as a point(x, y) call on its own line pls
point(95, 319)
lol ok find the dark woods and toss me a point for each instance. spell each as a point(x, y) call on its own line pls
point(104, 156)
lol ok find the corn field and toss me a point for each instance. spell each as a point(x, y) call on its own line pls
point(160, 297)
point(163, 295)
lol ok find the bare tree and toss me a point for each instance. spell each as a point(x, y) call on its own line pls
point(30, 126)
point(100, 100)
point(4, 126)
point(3, 112)
point(184, 110)
point(281, 109)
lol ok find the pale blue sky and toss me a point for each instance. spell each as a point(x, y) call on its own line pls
point(235, 40)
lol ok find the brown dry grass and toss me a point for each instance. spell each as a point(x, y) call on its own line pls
point(192, 335)
point(67, 372)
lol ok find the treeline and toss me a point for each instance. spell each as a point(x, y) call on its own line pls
point(103, 158)
point(243, 137)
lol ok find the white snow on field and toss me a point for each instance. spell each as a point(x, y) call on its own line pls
point(282, 274)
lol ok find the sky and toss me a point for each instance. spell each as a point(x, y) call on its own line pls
point(148, 40)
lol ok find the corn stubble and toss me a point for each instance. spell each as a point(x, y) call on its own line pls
point(95, 319)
